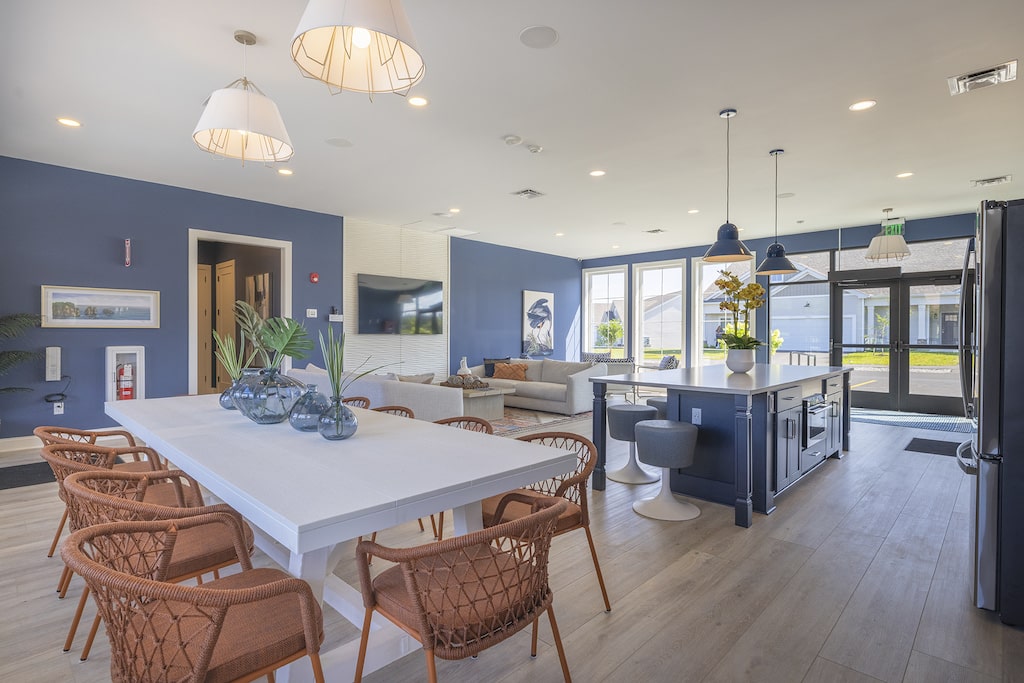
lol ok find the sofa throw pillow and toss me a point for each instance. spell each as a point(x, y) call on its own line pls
point(587, 356)
point(510, 371)
point(668, 363)
point(489, 364)
point(425, 378)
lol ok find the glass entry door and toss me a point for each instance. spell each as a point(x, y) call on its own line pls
point(865, 332)
point(900, 336)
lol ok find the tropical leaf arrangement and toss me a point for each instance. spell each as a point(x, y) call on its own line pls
point(272, 339)
point(740, 300)
point(12, 326)
point(333, 349)
point(234, 361)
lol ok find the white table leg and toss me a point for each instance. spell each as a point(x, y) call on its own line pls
point(468, 517)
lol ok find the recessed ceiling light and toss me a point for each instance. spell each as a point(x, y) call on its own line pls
point(559, 234)
point(285, 171)
point(538, 37)
point(454, 210)
point(418, 101)
point(597, 173)
point(615, 246)
point(863, 105)
point(70, 123)
point(693, 211)
point(947, 243)
point(906, 174)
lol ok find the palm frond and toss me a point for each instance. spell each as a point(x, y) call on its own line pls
point(234, 361)
point(16, 323)
point(11, 358)
point(252, 327)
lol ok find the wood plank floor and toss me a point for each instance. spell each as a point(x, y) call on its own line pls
point(861, 574)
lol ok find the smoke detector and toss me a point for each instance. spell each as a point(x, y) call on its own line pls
point(528, 194)
point(1003, 73)
point(988, 182)
point(512, 140)
point(535, 149)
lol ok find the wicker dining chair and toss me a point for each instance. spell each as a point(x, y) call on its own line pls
point(54, 435)
point(237, 628)
point(400, 411)
point(356, 401)
point(98, 497)
point(571, 486)
point(471, 424)
point(463, 595)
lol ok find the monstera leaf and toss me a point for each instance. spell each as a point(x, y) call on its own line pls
point(285, 337)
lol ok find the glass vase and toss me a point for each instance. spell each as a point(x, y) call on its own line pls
point(307, 410)
point(266, 396)
point(226, 402)
point(338, 421)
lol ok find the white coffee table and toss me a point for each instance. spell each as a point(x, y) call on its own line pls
point(486, 403)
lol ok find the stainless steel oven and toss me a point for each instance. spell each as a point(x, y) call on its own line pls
point(816, 414)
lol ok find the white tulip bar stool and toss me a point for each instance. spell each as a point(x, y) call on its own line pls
point(621, 421)
point(666, 444)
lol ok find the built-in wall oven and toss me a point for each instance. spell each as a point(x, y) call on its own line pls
point(816, 424)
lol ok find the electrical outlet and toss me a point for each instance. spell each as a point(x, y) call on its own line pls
point(310, 312)
point(695, 416)
point(58, 408)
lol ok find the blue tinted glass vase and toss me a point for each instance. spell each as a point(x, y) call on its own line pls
point(226, 402)
point(307, 410)
point(338, 421)
point(266, 396)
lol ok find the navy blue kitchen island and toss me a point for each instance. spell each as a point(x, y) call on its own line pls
point(759, 431)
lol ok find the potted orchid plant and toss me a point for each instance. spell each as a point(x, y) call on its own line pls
point(739, 300)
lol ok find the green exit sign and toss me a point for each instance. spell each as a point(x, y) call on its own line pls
point(893, 226)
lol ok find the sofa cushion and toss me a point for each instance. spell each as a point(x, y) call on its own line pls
point(510, 371)
point(533, 369)
point(425, 378)
point(559, 370)
point(489, 364)
point(497, 383)
point(545, 391)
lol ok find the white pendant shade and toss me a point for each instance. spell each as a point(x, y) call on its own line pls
point(239, 122)
point(885, 247)
point(323, 47)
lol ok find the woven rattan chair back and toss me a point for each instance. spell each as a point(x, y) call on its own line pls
point(400, 411)
point(467, 593)
point(356, 401)
point(160, 631)
point(469, 423)
point(50, 435)
point(572, 485)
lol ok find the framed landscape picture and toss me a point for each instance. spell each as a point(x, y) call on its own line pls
point(95, 307)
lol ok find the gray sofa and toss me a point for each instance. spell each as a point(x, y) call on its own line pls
point(554, 386)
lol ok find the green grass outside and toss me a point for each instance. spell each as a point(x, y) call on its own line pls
point(918, 359)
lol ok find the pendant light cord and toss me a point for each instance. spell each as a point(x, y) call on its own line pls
point(776, 155)
point(728, 123)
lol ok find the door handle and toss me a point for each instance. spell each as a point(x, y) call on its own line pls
point(968, 466)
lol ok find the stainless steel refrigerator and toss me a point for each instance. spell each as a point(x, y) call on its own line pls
point(992, 374)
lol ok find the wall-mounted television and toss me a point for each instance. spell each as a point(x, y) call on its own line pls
point(400, 305)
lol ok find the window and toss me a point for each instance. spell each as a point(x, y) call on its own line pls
point(798, 306)
point(709, 320)
point(660, 311)
point(605, 323)
point(924, 257)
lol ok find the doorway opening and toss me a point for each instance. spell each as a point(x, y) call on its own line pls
point(224, 267)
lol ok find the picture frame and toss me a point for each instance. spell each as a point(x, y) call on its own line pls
point(538, 323)
point(92, 307)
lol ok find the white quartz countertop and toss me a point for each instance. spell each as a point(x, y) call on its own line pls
point(720, 380)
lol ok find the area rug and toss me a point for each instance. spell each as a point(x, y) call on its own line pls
point(944, 423)
point(519, 421)
point(25, 475)
point(933, 446)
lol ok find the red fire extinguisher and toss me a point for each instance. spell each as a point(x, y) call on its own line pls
point(125, 382)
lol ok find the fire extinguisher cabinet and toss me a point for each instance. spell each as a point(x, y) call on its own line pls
point(125, 373)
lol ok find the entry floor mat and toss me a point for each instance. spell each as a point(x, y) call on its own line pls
point(932, 446)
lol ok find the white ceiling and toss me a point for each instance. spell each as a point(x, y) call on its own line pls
point(632, 87)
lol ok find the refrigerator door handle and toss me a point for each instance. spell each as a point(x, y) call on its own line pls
point(969, 466)
point(964, 346)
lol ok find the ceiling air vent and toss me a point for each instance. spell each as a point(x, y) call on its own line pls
point(528, 194)
point(988, 182)
point(654, 231)
point(963, 83)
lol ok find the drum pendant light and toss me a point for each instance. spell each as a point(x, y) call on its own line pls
point(776, 263)
point(727, 246)
point(362, 46)
point(240, 122)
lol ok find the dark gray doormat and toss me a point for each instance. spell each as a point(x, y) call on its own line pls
point(934, 446)
point(25, 475)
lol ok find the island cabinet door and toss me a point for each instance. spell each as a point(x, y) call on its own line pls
point(835, 423)
point(787, 447)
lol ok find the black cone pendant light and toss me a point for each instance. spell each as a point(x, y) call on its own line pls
point(776, 263)
point(727, 246)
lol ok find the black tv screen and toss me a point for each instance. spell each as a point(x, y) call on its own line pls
point(399, 305)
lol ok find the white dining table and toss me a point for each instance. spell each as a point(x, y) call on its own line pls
point(304, 495)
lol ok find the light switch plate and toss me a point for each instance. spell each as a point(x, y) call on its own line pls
point(335, 318)
point(310, 312)
point(58, 408)
point(695, 416)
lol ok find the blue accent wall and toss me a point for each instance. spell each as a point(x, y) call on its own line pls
point(67, 227)
point(486, 300)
